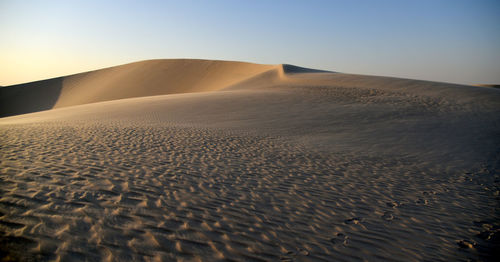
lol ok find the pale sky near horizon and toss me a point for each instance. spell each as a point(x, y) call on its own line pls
point(454, 41)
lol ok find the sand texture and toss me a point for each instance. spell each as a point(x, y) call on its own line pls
point(223, 161)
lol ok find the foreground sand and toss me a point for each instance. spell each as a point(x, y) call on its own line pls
point(286, 164)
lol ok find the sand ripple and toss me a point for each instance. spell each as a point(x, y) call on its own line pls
point(116, 192)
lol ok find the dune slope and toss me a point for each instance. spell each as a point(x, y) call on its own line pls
point(146, 78)
point(283, 163)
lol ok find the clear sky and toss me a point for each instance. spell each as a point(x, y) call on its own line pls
point(444, 40)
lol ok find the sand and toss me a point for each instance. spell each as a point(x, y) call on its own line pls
point(261, 163)
point(146, 78)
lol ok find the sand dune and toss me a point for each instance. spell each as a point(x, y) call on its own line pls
point(147, 78)
point(173, 76)
point(263, 163)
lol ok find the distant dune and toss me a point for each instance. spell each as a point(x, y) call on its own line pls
point(174, 76)
point(212, 160)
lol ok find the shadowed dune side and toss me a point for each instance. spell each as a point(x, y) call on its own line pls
point(291, 69)
point(30, 97)
point(145, 78)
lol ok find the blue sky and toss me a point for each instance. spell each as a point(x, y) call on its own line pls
point(443, 40)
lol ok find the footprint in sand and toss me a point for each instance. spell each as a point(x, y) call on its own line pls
point(388, 216)
point(340, 239)
point(354, 220)
point(291, 255)
point(422, 201)
point(465, 244)
point(489, 232)
point(302, 252)
point(488, 235)
point(394, 204)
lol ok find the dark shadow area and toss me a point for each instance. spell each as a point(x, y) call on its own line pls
point(488, 85)
point(30, 97)
point(291, 69)
point(14, 249)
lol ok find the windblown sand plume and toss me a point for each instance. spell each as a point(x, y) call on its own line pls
point(214, 160)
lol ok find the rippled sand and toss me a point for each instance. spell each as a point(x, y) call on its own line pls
point(333, 170)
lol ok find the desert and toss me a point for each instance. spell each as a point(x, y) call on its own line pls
point(208, 160)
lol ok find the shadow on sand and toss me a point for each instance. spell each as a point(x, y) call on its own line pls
point(291, 69)
point(30, 97)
